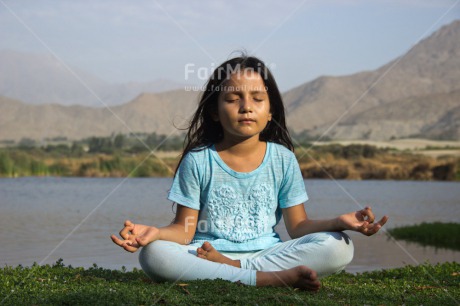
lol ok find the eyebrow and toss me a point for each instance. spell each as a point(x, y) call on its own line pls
point(251, 92)
point(258, 91)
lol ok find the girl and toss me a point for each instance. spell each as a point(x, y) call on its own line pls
point(237, 176)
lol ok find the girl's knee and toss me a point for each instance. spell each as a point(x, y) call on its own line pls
point(332, 243)
point(339, 251)
point(155, 257)
point(343, 246)
point(152, 249)
point(329, 252)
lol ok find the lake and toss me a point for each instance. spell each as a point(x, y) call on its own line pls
point(44, 219)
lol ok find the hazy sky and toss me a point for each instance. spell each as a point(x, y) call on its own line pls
point(122, 41)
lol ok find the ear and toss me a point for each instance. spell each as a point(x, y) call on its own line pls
point(269, 116)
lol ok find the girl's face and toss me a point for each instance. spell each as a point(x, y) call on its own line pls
point(243, 107)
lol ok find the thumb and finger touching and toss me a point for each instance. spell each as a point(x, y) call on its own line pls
point(125, 232)
point(367, 213)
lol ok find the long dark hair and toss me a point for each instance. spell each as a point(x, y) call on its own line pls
point(203, 131)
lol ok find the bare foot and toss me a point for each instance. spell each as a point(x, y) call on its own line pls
point(207, 251)
point(299, 277)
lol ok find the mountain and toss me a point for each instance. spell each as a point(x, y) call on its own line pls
point(428, 116)
point(41, 79)
point(416, 94)
point(430, 67)
point(448, 127)
point(147, 113)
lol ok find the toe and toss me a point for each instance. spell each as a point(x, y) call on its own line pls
point(207, 246)
point(200, 251)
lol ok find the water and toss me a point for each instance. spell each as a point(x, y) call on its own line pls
point(44, 219)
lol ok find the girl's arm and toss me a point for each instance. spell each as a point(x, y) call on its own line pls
point(298, 224)
point(183, 228)
point(181, 231)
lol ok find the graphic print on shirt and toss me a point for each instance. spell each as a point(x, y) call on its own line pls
point(240, 217)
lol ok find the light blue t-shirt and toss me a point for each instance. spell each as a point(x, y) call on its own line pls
point(238, 211)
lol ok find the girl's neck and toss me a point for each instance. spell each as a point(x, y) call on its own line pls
point(245, 156)
point(240, 148)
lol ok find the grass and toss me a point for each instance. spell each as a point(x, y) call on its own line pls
point(437, 234)
point(58, 284)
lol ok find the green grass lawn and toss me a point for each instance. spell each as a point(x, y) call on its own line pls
point(58, 284)
point(437, 234)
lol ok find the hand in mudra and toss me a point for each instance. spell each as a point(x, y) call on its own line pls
point(136, 236)
point(362, 221)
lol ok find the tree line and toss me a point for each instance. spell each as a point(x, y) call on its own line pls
point(116, 143)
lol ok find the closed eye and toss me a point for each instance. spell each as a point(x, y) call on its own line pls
point(231, 98)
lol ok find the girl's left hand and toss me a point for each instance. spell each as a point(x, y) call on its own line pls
point(136, 236)
point(361, 221)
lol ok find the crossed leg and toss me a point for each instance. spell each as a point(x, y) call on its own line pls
point(297, 263)
point(299, 277)
point(207, 251)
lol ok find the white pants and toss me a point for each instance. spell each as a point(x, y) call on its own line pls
point(324, 252)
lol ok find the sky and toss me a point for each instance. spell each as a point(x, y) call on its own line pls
point(182, 41)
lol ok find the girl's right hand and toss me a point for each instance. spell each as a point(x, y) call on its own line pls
point(136, 236)
point(361, 221)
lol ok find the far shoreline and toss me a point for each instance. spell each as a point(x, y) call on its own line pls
point(434, 148)
point(399, 159)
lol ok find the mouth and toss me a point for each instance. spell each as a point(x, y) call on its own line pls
point(247, 120)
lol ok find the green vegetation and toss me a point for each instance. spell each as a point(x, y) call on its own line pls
point(116, 156)
point(129, 155)
point(442, 148)
point(60, 285)
point(17, 163)
point(437, 234)
point(134, 142)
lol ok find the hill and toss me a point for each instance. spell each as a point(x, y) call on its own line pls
point(428, 116)
point(147, 113)
point(429, 73)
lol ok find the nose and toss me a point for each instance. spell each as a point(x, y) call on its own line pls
point(245, 105)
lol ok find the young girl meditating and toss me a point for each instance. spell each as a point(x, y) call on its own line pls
point(237, 176)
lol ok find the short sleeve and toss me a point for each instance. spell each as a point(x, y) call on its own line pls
point(292, 191)
point(185, 189)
